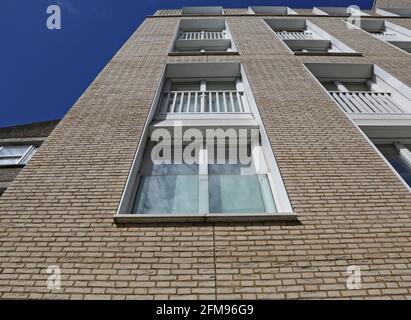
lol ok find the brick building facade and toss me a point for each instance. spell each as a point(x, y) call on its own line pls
point(29, 135)
point(351, 207)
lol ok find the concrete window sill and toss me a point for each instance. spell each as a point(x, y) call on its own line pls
point(211, 217)
point(340, 54)
point(206, 53)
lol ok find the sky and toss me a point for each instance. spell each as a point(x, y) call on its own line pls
point(43, 72)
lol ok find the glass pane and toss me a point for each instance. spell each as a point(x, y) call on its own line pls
point(167, 194)
point(329, 86)
point(237, 194)
point(160, 168)
point(9, 161)
point(185, 86)
point(13, 151)
point(221, 86)
point(356, 86)
point(392, 155)
point(219, 162)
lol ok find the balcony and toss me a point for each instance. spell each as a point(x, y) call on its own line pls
point(179, 102)
point(367, 102)
point(388, 32)
point(387, 36)
point(304, 35)
point(203, 35)
point(369, 95)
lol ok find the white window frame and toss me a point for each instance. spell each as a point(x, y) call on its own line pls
point(348, 11)
point(398, 30)
point(404, 152)
point(23, 159)
point(280, 196)
point(202, 10)
point(381, 82)
point(266, 10)
point(337, 47)
point(204, 43)
point(389, 13)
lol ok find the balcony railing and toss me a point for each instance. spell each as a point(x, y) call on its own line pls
point(203, 102)
point(368, 102)
point(284, 35)
point(387, 36)
point(203, 35)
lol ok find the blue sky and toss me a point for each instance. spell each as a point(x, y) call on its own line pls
point(43, 72)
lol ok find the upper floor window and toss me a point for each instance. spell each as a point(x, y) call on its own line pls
point(399, 156)
point(202, 10)
point(394, 144)
point(366, 92)
point(394, 12)
point(389, 32)
point(339, 11)
point(204, 153)
point(16, 154)
point(203, 35)
point(302, 36)
point(271, 10)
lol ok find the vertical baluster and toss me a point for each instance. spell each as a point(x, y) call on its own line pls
point(174, 102)
point(188, 103)
point(225, 102)
point(195, 102)
point(217, 98)
point(180, 107)
point(386, 97)
point(165, 103)
point(374, 99)
point(202, 102)
point(210, 102)
point(239, 103)
point(232, 102)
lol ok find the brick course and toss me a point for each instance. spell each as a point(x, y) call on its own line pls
point(352, 208)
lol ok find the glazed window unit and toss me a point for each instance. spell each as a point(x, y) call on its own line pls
point(232, 171)
point(203, 35)
point(302, 36)
point(388, 32)
point(16, 154)
point(367, 93)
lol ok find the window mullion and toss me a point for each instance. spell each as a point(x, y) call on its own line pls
point(203, 181)
point(405, 154)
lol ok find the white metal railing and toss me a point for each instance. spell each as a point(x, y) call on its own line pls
point(285, 35)
point(203, 102)
point(387, 36)
point(366, 102)
point(203, 35)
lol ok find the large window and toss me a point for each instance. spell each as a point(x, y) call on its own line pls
point(204, 152)
point(15, 155)
point(221, 183)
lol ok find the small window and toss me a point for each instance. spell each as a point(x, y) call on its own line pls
point(202, 35)
point(15, 155)
point(368, 94)
point(302, 37)
point(394, 12)
point(398, 155)
point(202, 10)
